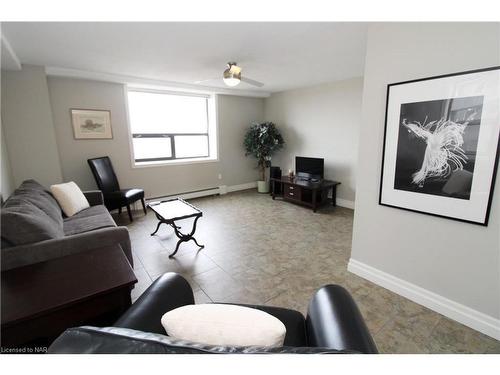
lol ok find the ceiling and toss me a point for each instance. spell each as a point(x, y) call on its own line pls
point(282, 55)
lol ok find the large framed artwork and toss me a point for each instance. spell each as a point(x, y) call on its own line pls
point(91, 124)
point(441, 145)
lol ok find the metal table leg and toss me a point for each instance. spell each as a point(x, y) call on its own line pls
point(184, 237)
point(160, 222)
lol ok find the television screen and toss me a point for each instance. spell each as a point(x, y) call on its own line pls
point(314, 166)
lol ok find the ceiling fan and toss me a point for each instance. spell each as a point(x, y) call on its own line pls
point(232, 77)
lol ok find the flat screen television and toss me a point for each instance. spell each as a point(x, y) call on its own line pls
point(312, 167)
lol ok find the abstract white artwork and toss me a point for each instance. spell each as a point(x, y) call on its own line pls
point(441, 145)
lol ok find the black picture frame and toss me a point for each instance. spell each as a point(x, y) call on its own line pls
point(493, 171)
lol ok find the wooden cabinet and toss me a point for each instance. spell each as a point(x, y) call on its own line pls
point(41, 300)
point(292, 192)
point(307, 193)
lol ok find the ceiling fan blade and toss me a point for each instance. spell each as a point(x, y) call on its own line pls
point(252, 82)
point(208, 80)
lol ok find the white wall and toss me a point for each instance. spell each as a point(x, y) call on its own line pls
point(457, 264)
point(234, 115)
point(6, 182)
point(28, 126)
point(321, 121)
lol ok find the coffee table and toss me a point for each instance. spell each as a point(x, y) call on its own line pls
point(172, 210)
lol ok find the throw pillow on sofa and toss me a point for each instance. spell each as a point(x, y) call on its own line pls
point(70, 198)
point(226, 325)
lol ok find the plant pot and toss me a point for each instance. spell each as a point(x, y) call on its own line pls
point(263, 186)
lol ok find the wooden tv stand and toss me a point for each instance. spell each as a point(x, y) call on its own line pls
point(306, 193)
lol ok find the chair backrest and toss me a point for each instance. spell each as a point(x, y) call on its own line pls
point(104, 175)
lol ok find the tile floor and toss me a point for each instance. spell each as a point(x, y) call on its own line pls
point(261, 251)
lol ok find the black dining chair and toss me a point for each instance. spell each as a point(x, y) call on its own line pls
point(114, 197)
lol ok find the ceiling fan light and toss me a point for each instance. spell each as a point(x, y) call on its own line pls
point(231, 81)
point(230, 78)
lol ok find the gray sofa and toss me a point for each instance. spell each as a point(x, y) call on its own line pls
point(34, 229)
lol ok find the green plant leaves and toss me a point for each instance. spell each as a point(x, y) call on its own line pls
point(261, 141)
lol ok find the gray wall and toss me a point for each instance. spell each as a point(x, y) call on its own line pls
point(321, 121)
point(456, 260)
point(234, 115)
point(6, 182)
point(27, 124)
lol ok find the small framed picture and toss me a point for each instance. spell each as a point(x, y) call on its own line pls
point(441, 145)
point(91, 124)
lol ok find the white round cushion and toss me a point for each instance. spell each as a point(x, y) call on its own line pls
point(224, 325)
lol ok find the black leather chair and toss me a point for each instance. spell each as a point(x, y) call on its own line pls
point(333, 325)
point(114, 197)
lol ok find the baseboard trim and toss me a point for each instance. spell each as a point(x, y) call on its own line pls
point(345, 203)
point(189, 194)
point(207, 192)
point(471, 318)
point(246, 186)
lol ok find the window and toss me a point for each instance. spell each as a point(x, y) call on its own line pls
point(169, 126)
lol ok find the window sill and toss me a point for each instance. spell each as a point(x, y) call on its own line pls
point(163, 163)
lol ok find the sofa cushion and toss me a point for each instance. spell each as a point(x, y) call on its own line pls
point(92, 218)
point(222, 324)
point(22, 222)
point(39, 196)
point(115, 340)
point(293, 320)
point(70, 198)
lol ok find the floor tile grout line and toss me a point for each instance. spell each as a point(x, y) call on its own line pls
point(206, 293)
point(276, 296)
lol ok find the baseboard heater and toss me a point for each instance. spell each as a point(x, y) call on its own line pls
point(192, 194)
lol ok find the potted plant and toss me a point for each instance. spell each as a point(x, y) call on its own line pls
point(262, 140)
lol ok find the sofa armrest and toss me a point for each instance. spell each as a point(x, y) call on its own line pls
point(334, 321)
point(18, 256)
point(94, 197)
point(168, 292)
